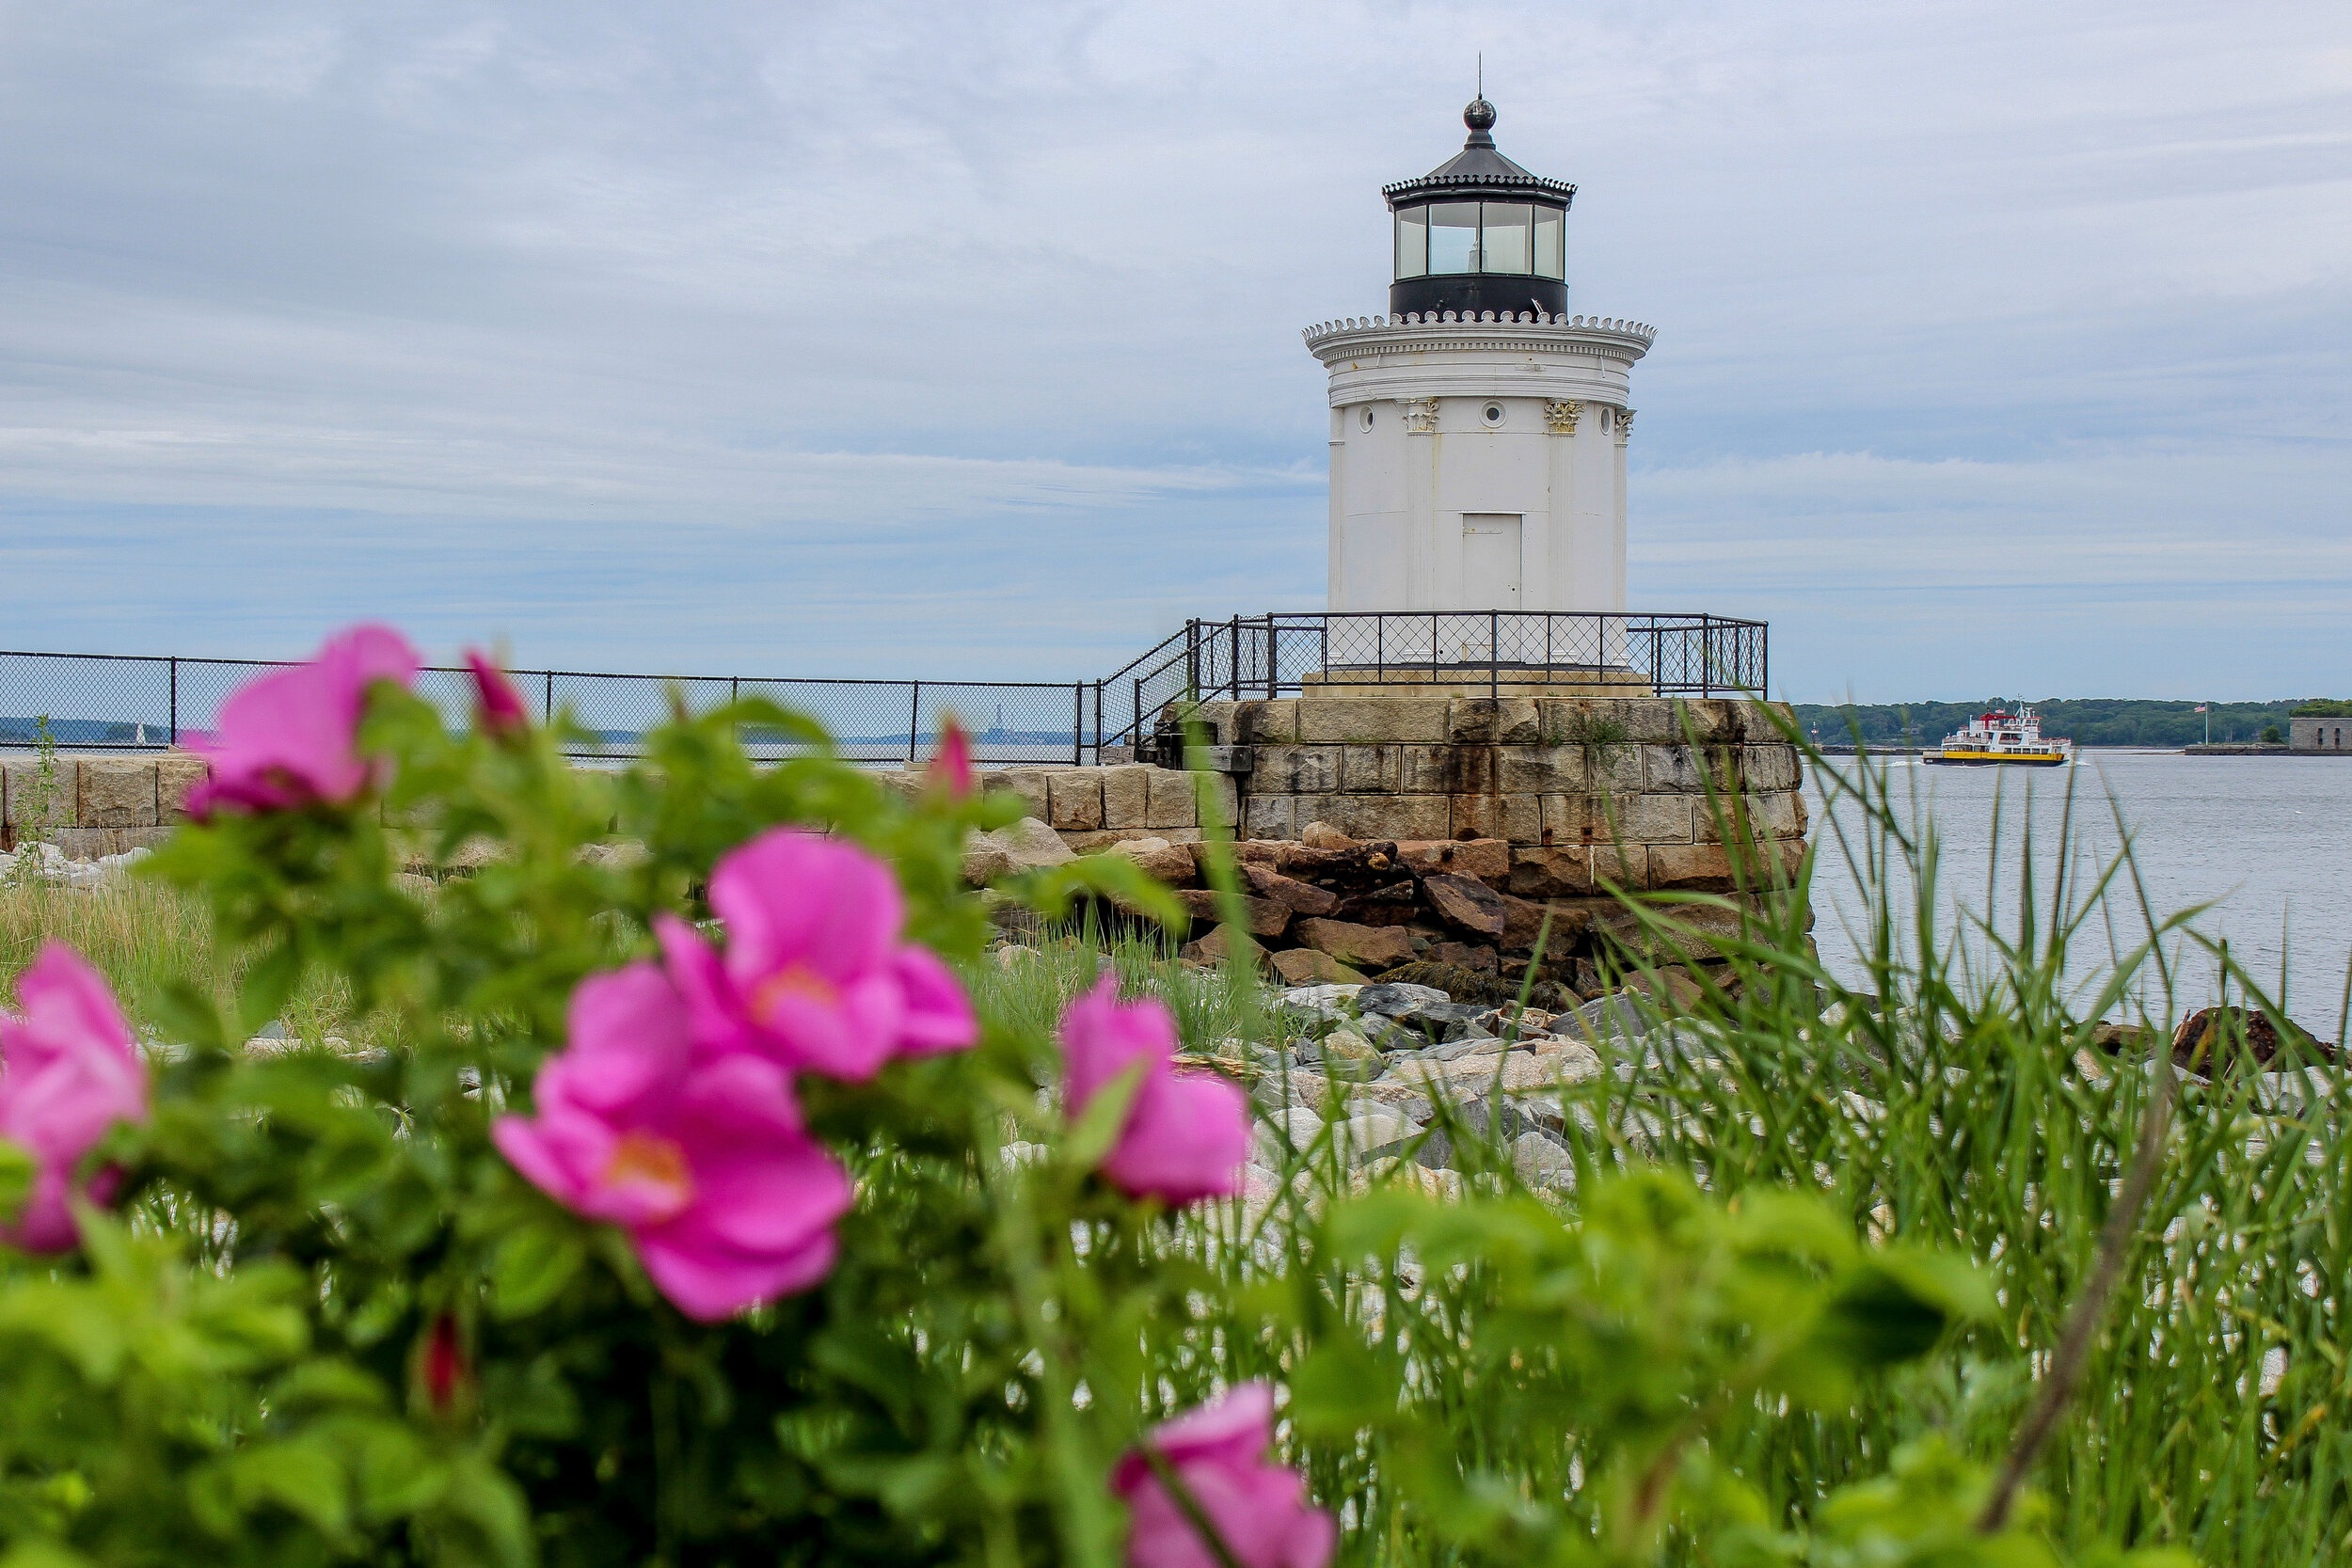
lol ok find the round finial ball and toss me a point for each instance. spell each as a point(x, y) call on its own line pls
point(1480, 116)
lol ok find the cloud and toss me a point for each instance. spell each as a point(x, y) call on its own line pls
point(872, 338)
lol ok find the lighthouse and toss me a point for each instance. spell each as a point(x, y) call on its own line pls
point(1478, 429)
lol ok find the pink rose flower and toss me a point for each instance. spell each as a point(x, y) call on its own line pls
point(814, 977)
point(1259, 1511)
point(290, 737)
point(499, 708)
point(702, 1161)
point(951, 772)
point(1186, 1136)
point(69, 1072)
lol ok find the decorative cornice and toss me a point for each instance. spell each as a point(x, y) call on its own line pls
point(1560, 415)
point(1617, 326)
point(1625, 425)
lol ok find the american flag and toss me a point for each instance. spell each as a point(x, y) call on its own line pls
point(2201, 707)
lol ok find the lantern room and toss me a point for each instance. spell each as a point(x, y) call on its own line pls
point(1479, 233)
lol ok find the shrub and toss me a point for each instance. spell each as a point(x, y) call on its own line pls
point(688, 1211)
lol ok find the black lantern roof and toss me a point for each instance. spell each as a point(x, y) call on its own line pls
point(1478, 170)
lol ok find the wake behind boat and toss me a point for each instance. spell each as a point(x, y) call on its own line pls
point(2002, 737)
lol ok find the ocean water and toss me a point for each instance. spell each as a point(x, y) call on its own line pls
point(2264, 843)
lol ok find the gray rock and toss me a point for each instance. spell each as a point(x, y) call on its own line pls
point(1541, 1163)
point(1467, 1045)
point(1604, 1019)
point(1366, 1134)
point(1280, 1132)
point(1327, 1004)
point(1396, 1001)
point(1451, 1019)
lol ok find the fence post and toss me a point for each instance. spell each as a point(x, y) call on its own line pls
point(1232, 650)
point(546, 699)
point(1192, 659)
point(915, 717)
point(1707, 657)
point(1077, 722)
point(1098, 725)
point(1433, 648)
point(175, 701)
point(1494, 656)
point(1273, 657)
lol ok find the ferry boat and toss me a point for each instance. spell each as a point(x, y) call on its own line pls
point(2002, 737)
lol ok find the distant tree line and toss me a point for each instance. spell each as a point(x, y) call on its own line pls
point(2084, 720)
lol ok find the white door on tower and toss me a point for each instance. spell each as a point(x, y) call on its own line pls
point(1490, 560)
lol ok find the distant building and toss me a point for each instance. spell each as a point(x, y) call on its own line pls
point(2325, 734)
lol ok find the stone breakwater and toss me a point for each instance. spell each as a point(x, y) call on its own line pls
point(1379, 833)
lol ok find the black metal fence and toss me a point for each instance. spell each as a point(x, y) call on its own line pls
point(113, 702)
point(1270, 656)
point(117, 702)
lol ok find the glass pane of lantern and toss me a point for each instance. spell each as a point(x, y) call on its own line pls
point(1505, 247)
point(1454, 236)
point(1551, 243)
point(1412, 241)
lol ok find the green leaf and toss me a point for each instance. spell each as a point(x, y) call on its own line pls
point(329, 1383)
point(1895, 1306)
point(1343, 1387)
point(531, 1265)
point(267, 985)
point(185, 1013)
point(299, 1477)
point(44, 1554)
point(483, 1518)
point(394, 1474)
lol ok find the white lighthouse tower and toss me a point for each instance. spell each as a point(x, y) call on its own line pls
point(1478, 430)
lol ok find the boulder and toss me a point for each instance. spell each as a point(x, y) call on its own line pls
point(1171, 864)
point(1281, 1132)
point(1467, 903)
point(1265, 917)
point(985, 860)
point(1461, 955)
point(1671, 985)
point(1301, 897)
point(1541, 1161)
point(1523, 921)
point(1325, 1002)
point(1031, 844)
point(1322, 835)
point(1358, 946)
point(1305, 966)
point(1393, 1001)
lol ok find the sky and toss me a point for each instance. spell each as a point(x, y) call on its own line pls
point(2003, 347)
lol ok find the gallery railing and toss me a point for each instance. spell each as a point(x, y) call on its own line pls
point(131, 702)
point(1272, 655)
